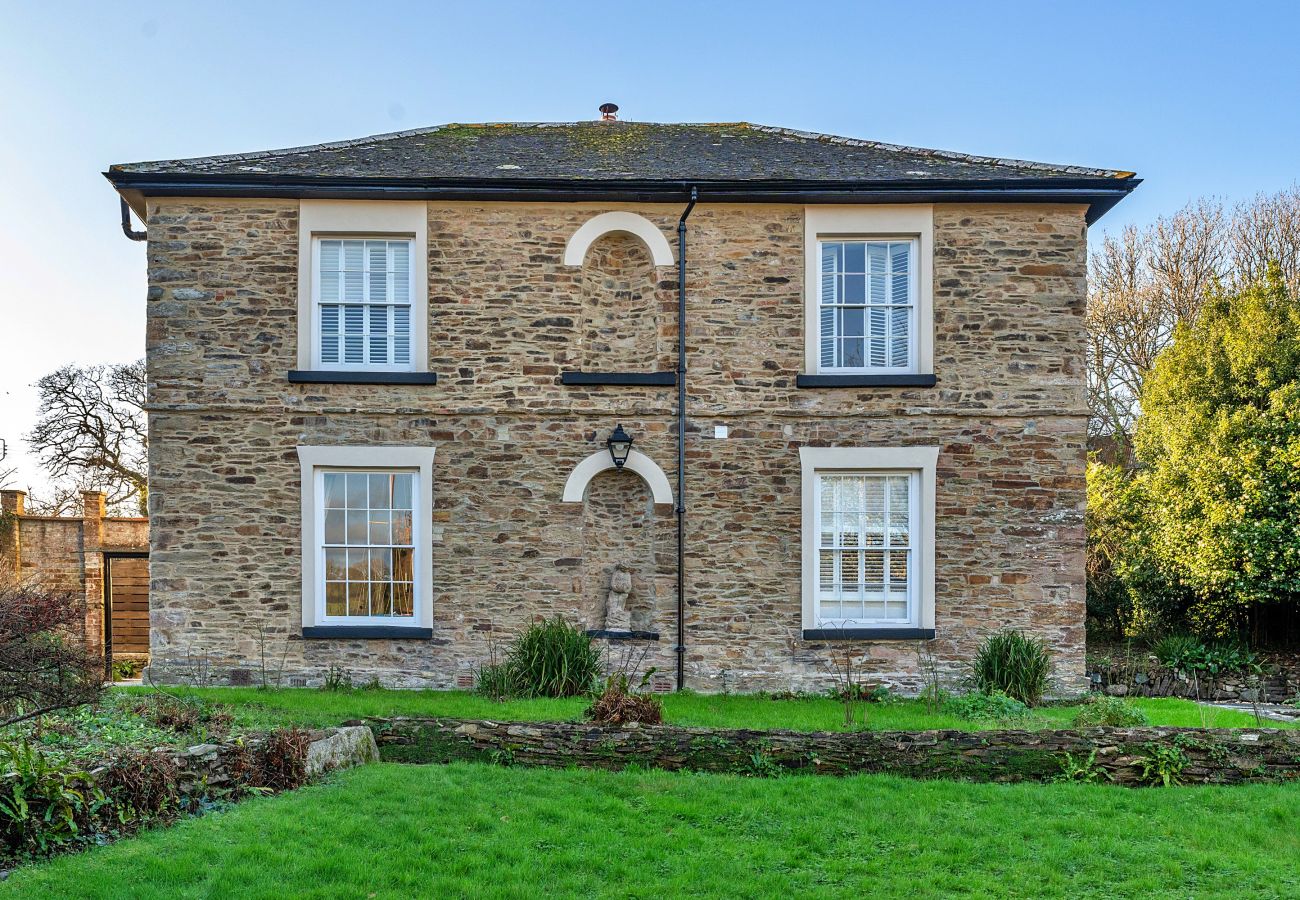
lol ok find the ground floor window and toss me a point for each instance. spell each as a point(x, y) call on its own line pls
point(366, 542)
point(868, 560)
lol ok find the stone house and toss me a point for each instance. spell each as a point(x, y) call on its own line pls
point(385, 375)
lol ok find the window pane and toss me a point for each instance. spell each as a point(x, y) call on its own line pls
point(381, 565)
point(358, 599)
point(403, 599)
point(358, 526)
point(357, 490)
point(855, 257)
point(333, 490)
point(402, 491)
point(381, 496)
point(381, 600)
point(854, 289)
point(335, 533)
point(358, 565)
point(336, 598)
point(402, 565)
point(877, 256)
point(379, 527)
point(402, 527)
point(336, 564)
point(852, 321)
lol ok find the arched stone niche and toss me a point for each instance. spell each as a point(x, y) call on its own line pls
point(621, 524)
point(626, 321)
point(621, 327)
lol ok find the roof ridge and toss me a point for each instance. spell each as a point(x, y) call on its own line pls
point(819, 137)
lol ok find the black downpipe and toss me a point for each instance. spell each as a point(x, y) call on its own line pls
point(126, 225)
point(680, 649)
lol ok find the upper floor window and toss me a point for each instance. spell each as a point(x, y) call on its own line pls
point(363, 292)
point(868, 295)
point(867, 305)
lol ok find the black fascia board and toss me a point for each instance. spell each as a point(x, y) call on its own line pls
point(1099, 193)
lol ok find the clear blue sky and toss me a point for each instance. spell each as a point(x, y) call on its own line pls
point(1198, 98)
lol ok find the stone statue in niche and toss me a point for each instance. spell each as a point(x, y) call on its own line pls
point(617, 615)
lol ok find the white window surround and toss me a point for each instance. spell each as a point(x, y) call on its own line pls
point(575, 251)
point(314, 461)
point(922, 461)
point(362, 219)
point(870, 222)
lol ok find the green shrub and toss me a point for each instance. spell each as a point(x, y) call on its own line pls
point(1103, 710)
point(44, 806)
point(1189, 655)
point(1015, 664)
point(553, 659)
point(992, 707)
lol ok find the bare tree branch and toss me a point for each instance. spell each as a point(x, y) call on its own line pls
point(92, 430)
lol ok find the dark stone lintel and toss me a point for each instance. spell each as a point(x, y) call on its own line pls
point(648, 379)
point(297, 376)
point(623, 635)
point(868, 634)
point(851, 381)
point(365, 632)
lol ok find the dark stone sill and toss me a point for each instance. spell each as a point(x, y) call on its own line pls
point(851, 381)
point(297, 376)
point(646, 379)
point(365, 632)
point(868, 634)
point(623, 635)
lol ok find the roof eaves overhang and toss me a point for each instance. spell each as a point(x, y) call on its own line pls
point(1098, 193)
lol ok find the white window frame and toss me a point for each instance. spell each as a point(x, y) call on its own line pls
point(314, 462)
point(919, 462)
point(913, 222)
point(317, 303)
point(913, 299)
point(361, 220)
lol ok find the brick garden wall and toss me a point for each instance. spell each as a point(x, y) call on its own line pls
point(506, 317)
point(67, 551)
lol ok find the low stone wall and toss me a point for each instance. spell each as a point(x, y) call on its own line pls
point(1123, 755)
point(1277, 683)
point(207, 766)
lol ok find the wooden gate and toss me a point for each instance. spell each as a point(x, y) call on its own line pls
point(126, 604)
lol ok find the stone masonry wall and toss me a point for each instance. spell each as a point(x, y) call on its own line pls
point(506, 317)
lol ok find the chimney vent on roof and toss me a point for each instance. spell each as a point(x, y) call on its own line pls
point(609, 112)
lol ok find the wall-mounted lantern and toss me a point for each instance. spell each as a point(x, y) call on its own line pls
point(620, 445)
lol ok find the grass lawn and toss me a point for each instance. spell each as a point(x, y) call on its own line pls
point(255, 708)
point(470, 830)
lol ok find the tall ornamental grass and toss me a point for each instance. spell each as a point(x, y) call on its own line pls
point(1015, 664)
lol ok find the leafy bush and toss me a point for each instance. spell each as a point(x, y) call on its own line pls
point(991, 707)
point(44, 806)
point(1103, 710)
point(617, 704)
point(1219, 439)
point(1189, 655)
point(1014, 664)
point(553, 659)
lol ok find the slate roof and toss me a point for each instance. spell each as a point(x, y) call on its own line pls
point(617, 151)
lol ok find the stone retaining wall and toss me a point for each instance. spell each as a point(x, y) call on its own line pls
point(204, 767)
point(1122, 755)
point(1123, 674)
